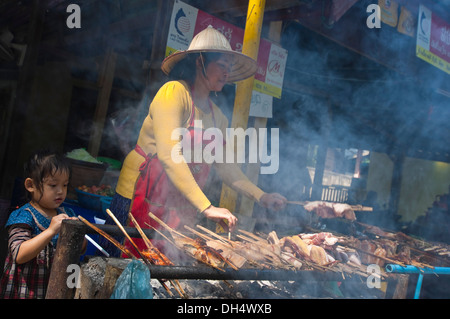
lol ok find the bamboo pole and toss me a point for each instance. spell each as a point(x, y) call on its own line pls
point(252, 170)
point(252, 36)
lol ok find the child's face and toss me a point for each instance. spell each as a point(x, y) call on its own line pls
point(54, 191)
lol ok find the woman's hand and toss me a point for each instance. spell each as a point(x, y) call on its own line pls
point(273, 201)
point(217, 214)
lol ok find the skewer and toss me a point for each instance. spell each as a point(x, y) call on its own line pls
point(207, 238)
point(118, 245)
point(358, 208)
point(139, 229)
point(93, 242)
point(144, 258)
point(296, 203)
point(126, 234)
point(108, 237)
point(150, 246)
point(275, 258)
point(163, 235)
point(257, 238)
point(173, 231)
point(214, 234)
point(380, 257)
point(248, 239)
point(147, 241)
point(231, 245)
point(167, 227)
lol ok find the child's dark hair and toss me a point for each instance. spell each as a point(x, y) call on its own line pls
point(44, 163)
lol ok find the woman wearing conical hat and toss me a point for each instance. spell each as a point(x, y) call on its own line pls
point(151, 179)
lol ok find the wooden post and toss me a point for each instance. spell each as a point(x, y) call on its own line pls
point(396, 183)
point(317, 186)
point(68, 251)
point(155, 76)
point(252, 36)
point(114, 268)
point(252, 172)
point(105, 82)
point(397, 287)
point(12, 165)
point(357, 173)
point(159, 41)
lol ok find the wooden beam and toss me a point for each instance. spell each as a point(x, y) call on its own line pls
point(339, 8)
point(142, 21)
point(238, 8)
point(385, 46)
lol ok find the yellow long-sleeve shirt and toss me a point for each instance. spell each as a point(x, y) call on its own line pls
point(171, 109)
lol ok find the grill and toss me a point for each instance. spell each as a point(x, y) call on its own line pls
point(72, 234)
point(202, 272)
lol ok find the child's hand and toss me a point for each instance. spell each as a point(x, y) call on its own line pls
point(55, 224)
point(29, 249)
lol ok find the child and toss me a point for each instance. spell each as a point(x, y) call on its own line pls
point(33, 228)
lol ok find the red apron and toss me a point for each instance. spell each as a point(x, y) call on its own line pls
point(154, 192)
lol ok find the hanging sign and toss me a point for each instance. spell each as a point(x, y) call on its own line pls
point(389, 12)
point(433, 39)
point(406, 22)
point(261, 105)
point(187, 21)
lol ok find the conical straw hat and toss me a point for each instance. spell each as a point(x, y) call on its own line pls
point(211, 40)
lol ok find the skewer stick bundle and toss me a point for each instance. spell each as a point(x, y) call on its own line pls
point(162, 257)
point(148, 243)
point(126, 234)
point(185, 241)
point(207, 238)
point(144, 258)
point(139, 229)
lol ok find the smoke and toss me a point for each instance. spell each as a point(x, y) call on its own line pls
point(337, 98)
point(332, 97)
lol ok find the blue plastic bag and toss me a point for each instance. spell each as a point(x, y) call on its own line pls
point(133, 283)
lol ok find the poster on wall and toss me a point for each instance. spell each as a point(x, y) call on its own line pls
point(433, 39)
point(187, 21)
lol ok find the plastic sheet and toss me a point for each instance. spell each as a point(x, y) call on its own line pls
point(133, 283)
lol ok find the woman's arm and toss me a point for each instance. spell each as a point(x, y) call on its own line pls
point(170, 110)
point(232, 175)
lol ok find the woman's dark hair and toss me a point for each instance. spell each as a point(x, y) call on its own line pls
point(186, 68)
point(45, 163)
